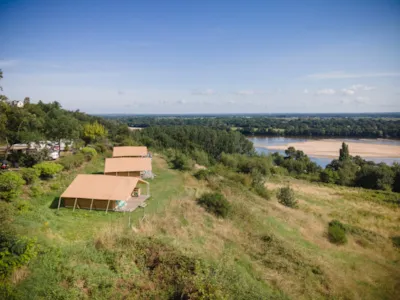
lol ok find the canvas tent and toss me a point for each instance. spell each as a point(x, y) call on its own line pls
point(128, 166)
point(130, 151)
point(102, 192)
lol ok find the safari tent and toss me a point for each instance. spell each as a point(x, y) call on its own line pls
point(103, 192)
point(128, 166)
point(130, 151)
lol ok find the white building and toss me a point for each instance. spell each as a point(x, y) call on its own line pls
point(17, 103)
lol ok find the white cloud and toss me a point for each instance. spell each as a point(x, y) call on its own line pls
point(181, 101)
point(207, 92)
point(245, 92)
point(347, 92)
point(305, 91)
point(326, 92)
point(362, 87)
point(343, 75)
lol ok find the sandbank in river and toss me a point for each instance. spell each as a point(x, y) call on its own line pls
point(330, 148)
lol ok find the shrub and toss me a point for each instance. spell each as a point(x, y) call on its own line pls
point(337, 232)
point(89, 153)
point(15, 252)
point(287, 197)
point(215, 203)
point(23, 205)
point(48, 169)
point(203, 174)
point(241, 178)
point(30, 175)
point(55, 186)
point(396, 241)
point(201, 157)
point(229, 161)
point(36, 190)
point(72, 161)
point(182, 162)
point(28, 159)
point(328, 176)
point(100, 148)
point(262, 191)
point(10, 185)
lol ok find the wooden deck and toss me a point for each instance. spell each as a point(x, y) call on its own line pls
point(133, 203)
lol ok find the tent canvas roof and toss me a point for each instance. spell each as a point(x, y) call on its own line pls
point(129, 151)
point(101, 187)
point(127, 164)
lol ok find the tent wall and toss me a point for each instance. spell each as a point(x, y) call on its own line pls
point(85, 203)
point(130, 174)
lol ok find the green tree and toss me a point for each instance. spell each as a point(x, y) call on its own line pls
point(93, 132)
point(10, 185)
point(182, 162)
point(61, 126)
point(344, 153)
point(347, 173)
point(290, 152)
point(379, 177)
point(329, 176)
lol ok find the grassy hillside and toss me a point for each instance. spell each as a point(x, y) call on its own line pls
point(173, 249)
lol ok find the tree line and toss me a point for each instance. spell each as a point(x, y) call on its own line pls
point(194, 139)
point(361, 127)
point(48, 121)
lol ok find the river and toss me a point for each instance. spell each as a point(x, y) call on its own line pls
point(261, 142)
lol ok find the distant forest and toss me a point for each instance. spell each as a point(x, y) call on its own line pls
point(360, 126)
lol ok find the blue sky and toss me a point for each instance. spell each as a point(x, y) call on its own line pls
point(203, 56)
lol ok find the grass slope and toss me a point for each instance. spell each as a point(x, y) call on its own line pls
point(175, 250)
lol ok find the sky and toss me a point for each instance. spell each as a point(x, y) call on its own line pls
point(236, 56)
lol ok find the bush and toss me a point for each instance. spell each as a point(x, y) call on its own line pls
point(10, 185)
point(15, 252)
point(182, 162)
point(201, 157)
point(89, 153)
point(337, 232)
point(48, 169)
point(28, 159)
point(287, 197)
point(72, 161)
point(30, 175)
point(396, 241)
point(55, 186)
point(36, 190)
point(100, 148)
point(262, 191)
point(215, 203)
point(203, 174)
point(328, 176)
